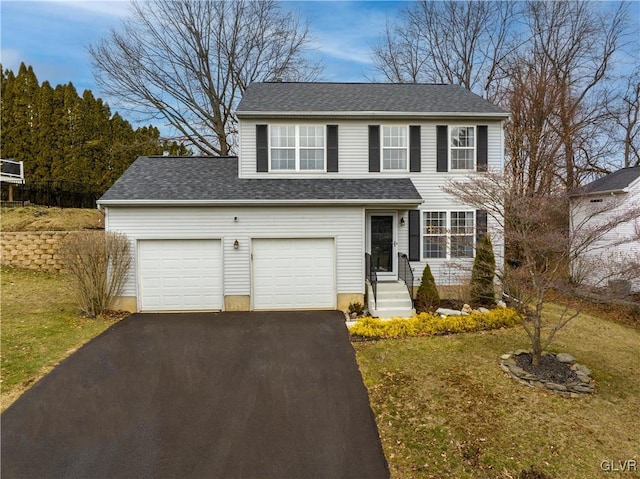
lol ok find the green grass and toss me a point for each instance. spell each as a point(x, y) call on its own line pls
point(41, 218)
point(40, 327)
point(445, 409)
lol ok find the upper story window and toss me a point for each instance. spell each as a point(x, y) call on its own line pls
point(452, 231)
point(394, 147)
point(463, 148)
point(296, 148)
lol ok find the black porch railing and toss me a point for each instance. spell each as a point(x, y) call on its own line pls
point(371, 276)
point(405, 273)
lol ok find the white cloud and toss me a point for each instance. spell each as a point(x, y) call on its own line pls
point(118, 8)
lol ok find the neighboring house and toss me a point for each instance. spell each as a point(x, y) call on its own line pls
point(615, 256)
point(336, 185)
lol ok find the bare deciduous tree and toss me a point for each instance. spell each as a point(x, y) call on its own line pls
point(627, 118)
point(188, 62)
point(450, 42)
point(537, 227)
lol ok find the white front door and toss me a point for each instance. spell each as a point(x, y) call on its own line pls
point(383, 245)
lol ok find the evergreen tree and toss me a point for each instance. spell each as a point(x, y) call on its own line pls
point(427, 297)
point(62, 136)
point(482, 274)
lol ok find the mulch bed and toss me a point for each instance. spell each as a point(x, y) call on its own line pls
point(549, 369)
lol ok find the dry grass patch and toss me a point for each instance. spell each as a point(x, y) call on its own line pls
point(446, 410)
point(40, 218)
point(40, 327)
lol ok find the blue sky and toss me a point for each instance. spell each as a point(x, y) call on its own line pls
point(53, 36)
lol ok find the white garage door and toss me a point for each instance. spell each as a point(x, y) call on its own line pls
point(294, 273)
point(180, 275)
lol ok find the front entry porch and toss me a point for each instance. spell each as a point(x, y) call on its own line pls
point(389, 277)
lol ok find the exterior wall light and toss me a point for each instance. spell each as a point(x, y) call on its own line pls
point(236, 244)
point(236, 219)
point(402, 221)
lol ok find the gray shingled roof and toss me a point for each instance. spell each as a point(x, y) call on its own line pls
point(363, 97)
point(616, 181)
point(207, 179)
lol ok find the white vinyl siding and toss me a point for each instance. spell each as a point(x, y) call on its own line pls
point(353, 150)
point(613, 251)
point(345, 224)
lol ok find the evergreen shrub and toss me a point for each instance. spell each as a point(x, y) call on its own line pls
point(482, 291)
point(427, 297)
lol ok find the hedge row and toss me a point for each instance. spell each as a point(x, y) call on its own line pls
point(428, 324)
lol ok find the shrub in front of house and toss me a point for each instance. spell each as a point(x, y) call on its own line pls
point(429, 324)
point(427, 297)
point(482, 291)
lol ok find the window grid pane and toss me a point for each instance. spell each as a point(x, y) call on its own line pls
point(462, 147)
point(311, 159)
point(462, 234)
point(435, 234)
point(394, 148)
point(307, 154)
point(394, 159)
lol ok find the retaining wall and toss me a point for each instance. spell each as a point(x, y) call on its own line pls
point(38, 250)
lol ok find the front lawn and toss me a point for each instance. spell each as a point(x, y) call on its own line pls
point(40, 327)
point(445, 409)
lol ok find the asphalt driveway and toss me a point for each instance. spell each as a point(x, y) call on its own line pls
point(255, 395)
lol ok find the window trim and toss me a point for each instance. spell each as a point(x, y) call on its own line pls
point(297, 149)
point(406, 148)
point(448, 234)
point(450, 148)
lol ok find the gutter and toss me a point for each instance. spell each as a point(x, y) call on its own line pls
point(371, 114)
point(257, 202)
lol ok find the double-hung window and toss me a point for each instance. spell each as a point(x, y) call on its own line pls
point(435, 234)
point(394, 147)
point(462, 234)
point(448, 234)
point(463, 148)
point(297, 148)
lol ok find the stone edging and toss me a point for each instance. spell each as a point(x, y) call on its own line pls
point(584, 386)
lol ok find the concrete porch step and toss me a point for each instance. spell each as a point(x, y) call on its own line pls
point(393, 300)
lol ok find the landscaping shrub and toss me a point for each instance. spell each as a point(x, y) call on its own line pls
point(427, 324)
point(484, 268)
point(356, 308)
point(99, 264)
point(427, 297)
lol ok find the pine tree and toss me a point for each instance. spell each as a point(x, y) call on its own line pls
point(482, 274)
point(427, 297)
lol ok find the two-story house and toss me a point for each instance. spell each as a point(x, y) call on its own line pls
point(335, 193)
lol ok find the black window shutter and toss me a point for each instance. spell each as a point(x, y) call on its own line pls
point(374, 147)
point(481, 224)
point(332, 148)
point(414, 235)
point(483, 148)
point(442, 148)
point(262, 148)
point(414, 148)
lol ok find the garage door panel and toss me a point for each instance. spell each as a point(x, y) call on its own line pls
point(180, 275)
point(294, 273)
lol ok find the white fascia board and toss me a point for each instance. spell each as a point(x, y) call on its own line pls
point(370, 114)
point(395, 202)
point(600, 193)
